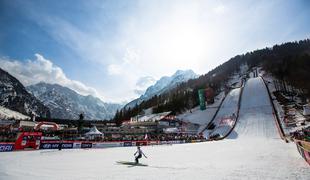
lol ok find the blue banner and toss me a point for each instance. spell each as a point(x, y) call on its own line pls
point(6, 147)
point(86, 145)
point(127, 144)
point(56, 145)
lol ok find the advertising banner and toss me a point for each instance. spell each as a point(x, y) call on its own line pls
point(49, 145)
point(202, 102)
point(127, 143)
point(67, 145)
point(164, 142)
point(107, 144)
point(5, 147)
point(86, 145)
point(141, 143)
point(56, 145)
point(76, 145)
point(209, 95)
point(153, 143)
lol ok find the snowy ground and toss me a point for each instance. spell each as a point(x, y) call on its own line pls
point(253, 151)
point(228, 159)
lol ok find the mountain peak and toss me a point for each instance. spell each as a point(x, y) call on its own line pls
point(13, 95)
point(165, 83)
point(182, 72)
point(64, 102)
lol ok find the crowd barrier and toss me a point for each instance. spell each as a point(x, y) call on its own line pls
point(303, 148)
point(5, 147)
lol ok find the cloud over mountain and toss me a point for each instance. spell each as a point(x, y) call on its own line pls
point(143, 83)
point(41, 69)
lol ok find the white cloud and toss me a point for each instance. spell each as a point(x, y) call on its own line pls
point(131, 58)
point(43, 70)
point(220, 9)
point(115, 69)
point(143, 83)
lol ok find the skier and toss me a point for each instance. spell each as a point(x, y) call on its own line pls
point(139, 154)
point(60, 145)
point(234, 116)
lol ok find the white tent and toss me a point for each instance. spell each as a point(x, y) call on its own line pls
point(171, 130)
point(93, 132)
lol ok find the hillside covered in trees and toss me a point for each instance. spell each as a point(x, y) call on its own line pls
point(288, 62)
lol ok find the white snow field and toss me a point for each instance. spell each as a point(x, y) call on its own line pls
point(254, 151)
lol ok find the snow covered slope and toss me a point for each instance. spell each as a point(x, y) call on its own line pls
point(228, 108)
point(256, 118)
point(9, 114)
point(200, 117)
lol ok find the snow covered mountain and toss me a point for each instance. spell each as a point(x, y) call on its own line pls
point(14, 96)
point(10, 114)
point(66, 103)
point(164, 84)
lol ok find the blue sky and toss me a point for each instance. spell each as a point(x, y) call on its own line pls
point(113, 49)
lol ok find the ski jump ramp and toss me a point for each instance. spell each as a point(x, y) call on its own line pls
point(256, 117)
point(227, 109)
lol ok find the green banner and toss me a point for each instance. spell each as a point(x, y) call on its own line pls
point(202, 101)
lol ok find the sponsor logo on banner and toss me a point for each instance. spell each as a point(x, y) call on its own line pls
point(153, 143)
point(67, 145)
point(56, 145)
point(49, 146)
point(76, 145)
point(6, 147)
point(127, 144)
point(86, 145)
point(163, 142)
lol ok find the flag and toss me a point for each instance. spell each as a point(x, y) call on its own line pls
point(145, 137)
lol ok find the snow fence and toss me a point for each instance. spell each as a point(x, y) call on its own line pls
point(303, 148)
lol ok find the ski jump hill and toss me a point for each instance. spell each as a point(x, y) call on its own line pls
point(256, 117)
point(253, 150)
